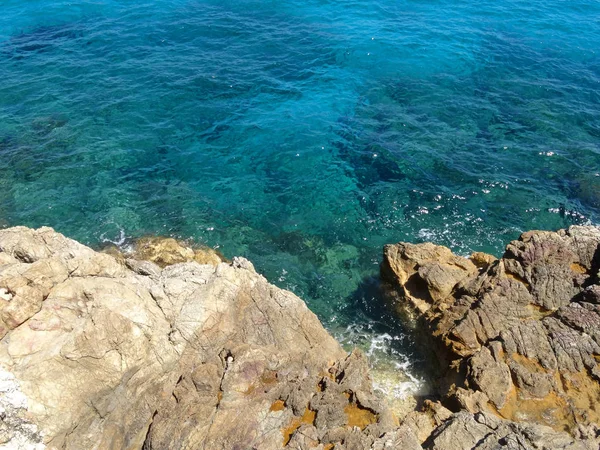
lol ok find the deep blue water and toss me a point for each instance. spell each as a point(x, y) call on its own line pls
point(303, 135)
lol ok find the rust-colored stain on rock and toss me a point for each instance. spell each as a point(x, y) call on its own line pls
point(278, 405)
point(358, 416)
point(518, 278)
point(550, 410)
point(266, 381)
point(530, 364)
point(307, 418)
point(537, 311)
point(578, 268)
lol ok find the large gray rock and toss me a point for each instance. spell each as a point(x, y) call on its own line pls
point(520, 336)
point(485, 431)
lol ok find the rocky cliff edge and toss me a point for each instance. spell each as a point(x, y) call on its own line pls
point(105, 352)
point(517, 338)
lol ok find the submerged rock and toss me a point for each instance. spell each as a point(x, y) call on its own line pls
point(519, 336)
point(166, 251)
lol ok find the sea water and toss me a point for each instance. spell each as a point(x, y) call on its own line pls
point(303, 135)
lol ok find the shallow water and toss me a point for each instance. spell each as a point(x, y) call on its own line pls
point(303, 135)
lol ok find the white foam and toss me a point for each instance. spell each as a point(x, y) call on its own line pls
point(392, 370)
point(118, 241)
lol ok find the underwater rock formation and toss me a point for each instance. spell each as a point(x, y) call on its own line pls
point(519, 337)
point(164, 251)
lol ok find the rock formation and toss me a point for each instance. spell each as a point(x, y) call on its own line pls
point(113, 352)
point(519, 337)
point(164, 252)
point(100, 352)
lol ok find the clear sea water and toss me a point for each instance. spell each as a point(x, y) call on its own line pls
point(303, 135)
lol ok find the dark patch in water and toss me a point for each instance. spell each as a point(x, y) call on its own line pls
point(215, 132)
point(7, 143)
point(370, 163)
point(41, 39)
point(309, 248)
point(585, 189)
point(45, 125)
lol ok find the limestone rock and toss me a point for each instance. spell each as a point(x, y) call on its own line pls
point(482, 260)
point(520, 335)
point(426, 273)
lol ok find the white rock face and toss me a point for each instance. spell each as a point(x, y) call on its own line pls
point(16, 431)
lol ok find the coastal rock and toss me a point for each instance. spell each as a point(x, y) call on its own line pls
point(100, 352)
point(425, 273)
point(485, 431)
point(104, 352)
point(519, 336)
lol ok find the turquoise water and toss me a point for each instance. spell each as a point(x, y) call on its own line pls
point(303, 135)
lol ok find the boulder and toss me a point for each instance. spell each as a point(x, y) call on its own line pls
point(519, 335)
point(425, 273)
point(165, 251)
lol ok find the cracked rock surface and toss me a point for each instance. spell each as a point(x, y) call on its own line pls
point(518, 338)
point(113, 352)
point(99, 352)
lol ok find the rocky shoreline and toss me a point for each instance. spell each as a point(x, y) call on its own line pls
point(168, 347)
point(517, 337)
